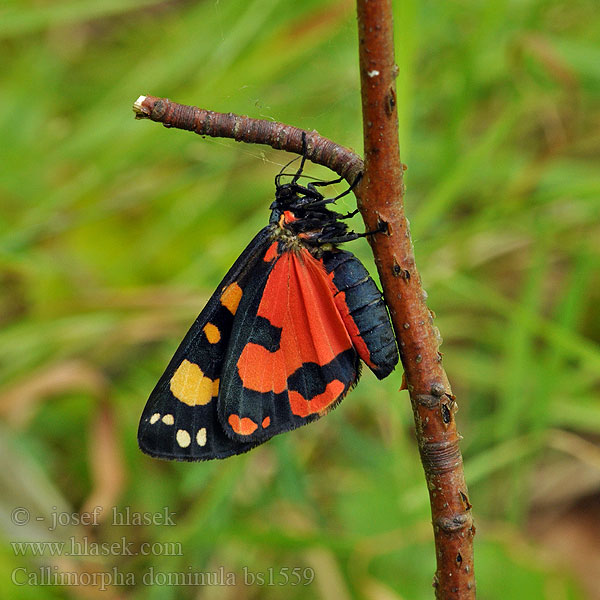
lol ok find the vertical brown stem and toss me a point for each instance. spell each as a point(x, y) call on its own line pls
point(433, 404)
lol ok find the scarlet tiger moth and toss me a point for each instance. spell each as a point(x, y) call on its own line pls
point(279, 343)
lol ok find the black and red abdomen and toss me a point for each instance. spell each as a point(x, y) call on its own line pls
point(366, 317)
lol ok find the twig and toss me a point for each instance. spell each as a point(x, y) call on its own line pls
point(432, 400)
point(320, 150)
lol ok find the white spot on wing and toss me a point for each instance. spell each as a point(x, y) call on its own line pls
point(168, 420)
point(155, 417)
point(183, 438)
point(201, 436)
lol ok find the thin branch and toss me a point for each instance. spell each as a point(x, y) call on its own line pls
point(433, 404)
point(320, 150)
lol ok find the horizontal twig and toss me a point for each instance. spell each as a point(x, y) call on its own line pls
point(320, 150)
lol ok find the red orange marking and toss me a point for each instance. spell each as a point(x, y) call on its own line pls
point(303, 407)
point(243, 426)
point(266, 422)
point(271, 253)
point(289, 216)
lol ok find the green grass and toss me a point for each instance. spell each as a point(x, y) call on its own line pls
point(113, 234)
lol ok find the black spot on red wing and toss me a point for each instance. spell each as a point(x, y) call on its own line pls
point(311, 379)
point(266, 335)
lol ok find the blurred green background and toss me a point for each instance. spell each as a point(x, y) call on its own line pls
point(114, 232)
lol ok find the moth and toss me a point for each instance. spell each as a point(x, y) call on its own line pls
point(280, 342)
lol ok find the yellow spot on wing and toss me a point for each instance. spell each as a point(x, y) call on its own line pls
point(213, 335)
point(155, 417)
point(183, 438)
point(231, 296)
point(191, 386)
point(168, 420)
